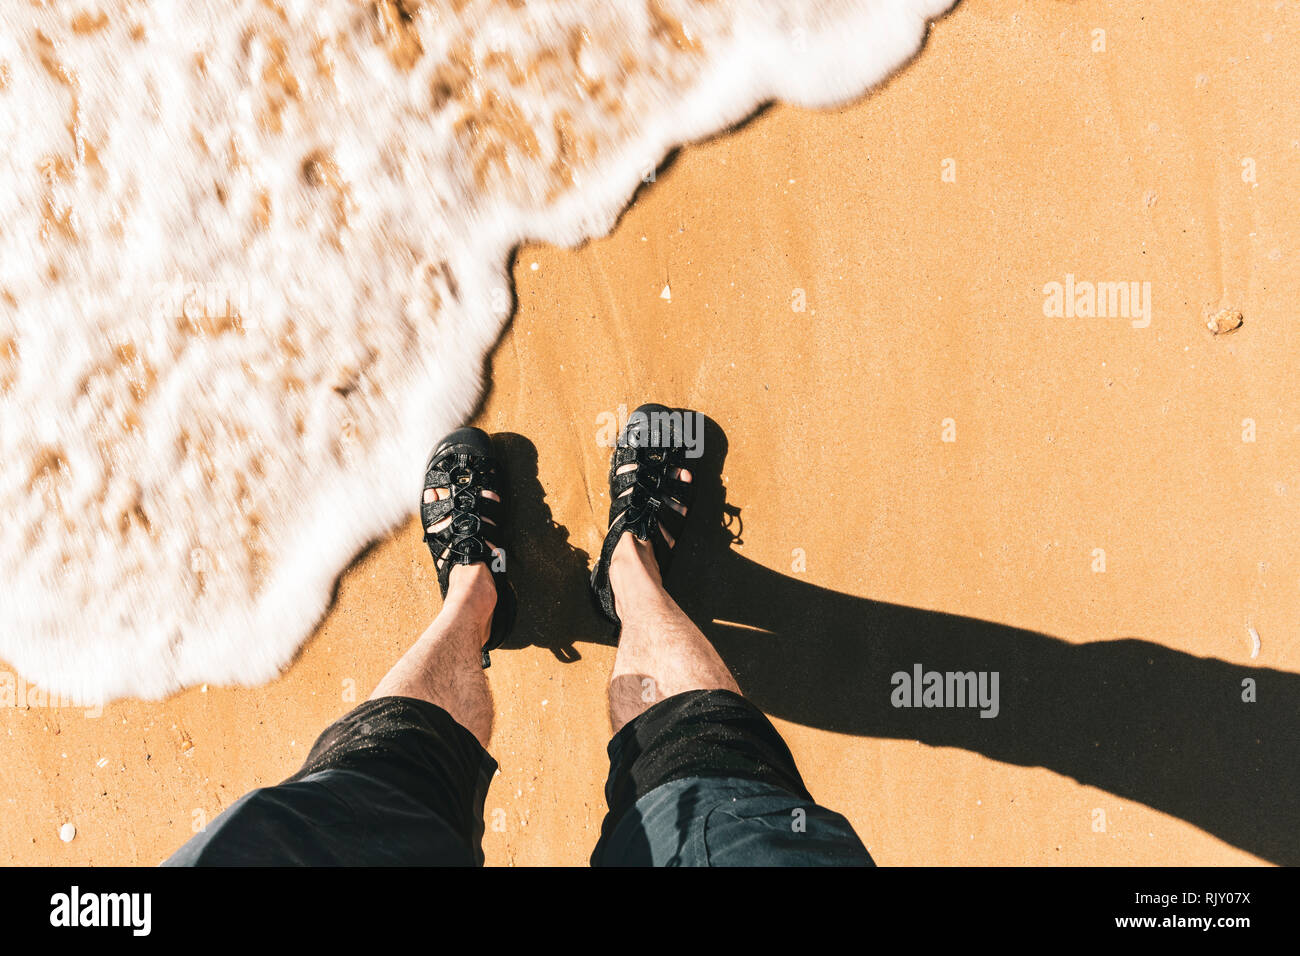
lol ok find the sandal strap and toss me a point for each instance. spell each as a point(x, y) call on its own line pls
point(464, 540)
point(666, 488)
point(644, 496)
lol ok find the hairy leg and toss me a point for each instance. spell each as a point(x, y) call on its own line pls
point(660, 651)
point(443, 666)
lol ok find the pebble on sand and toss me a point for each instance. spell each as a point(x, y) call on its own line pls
point(67, 832)
point(1225, 321)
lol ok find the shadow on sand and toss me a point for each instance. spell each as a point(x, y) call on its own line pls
point(1131, 717)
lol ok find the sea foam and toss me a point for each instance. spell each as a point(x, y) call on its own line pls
point(252, 256)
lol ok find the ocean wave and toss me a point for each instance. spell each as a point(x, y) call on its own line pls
point(253, 254)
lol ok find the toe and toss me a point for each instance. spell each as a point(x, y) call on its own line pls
point(430, 496)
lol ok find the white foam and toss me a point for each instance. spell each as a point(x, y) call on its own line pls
point(179, 496)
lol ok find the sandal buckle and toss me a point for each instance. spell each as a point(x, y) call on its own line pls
point(464, 525)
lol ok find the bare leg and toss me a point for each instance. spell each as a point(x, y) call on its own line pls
point(660, 651)
point(443, 666)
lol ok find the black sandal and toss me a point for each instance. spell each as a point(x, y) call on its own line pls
point(642, 498)
point(464, 464)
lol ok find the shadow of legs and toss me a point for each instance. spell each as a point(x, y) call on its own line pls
point(1137, 719)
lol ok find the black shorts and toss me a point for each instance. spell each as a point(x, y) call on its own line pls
point(701, 778)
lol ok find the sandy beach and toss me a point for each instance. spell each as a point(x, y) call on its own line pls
point(922, 466)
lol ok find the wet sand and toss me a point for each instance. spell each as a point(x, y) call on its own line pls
point(1132, 489)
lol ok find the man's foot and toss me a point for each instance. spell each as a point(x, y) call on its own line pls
point(650, 494)
point(633, 558)
point(462, 510)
